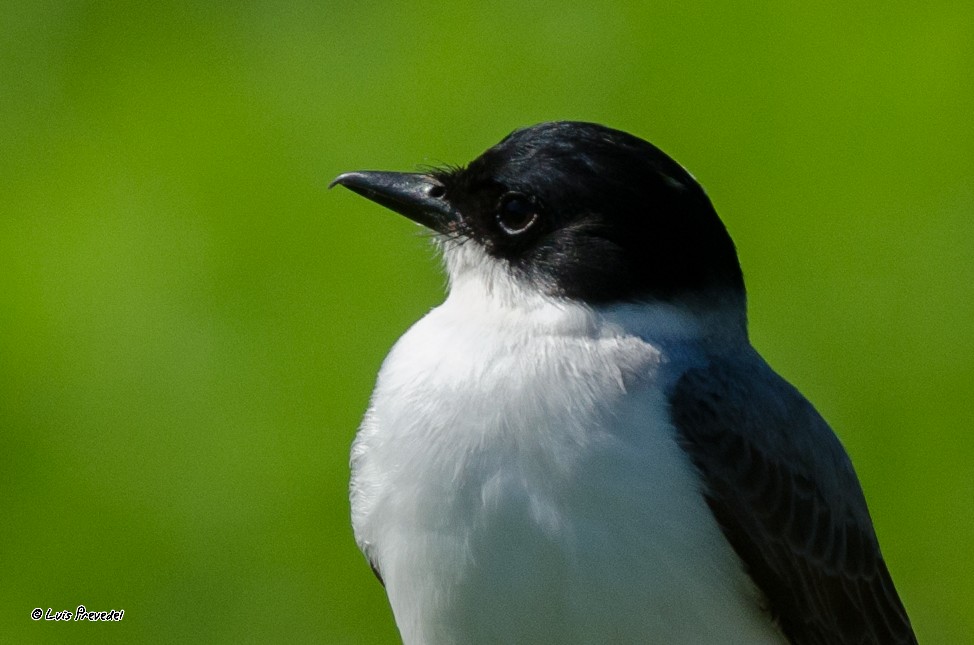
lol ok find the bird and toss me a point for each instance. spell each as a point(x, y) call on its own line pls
point(580, 444)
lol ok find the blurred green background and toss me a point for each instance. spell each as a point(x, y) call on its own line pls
point(190, 324)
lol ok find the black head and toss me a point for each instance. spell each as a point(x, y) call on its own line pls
point(578, 209)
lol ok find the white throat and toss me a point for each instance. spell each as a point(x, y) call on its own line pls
point(484, 286)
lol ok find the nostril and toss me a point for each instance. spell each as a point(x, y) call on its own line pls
point(436, 191)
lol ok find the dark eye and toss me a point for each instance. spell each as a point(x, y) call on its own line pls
point(516, 214)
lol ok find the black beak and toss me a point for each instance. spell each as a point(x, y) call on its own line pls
point(420, 197)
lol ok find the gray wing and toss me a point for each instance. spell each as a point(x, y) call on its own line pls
point(786, 497)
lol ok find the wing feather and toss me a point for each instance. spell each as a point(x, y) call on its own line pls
point(786, 497)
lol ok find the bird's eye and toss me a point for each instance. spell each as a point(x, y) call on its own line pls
point(516, 214)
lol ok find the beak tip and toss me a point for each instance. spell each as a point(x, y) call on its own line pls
point(341, 179)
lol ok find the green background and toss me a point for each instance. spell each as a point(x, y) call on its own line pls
point(190, 324)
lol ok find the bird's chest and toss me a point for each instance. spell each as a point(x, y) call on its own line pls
point(528, 488)
point(470, 431)
point(487, 461)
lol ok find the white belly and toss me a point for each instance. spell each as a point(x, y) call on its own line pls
point(520, 487)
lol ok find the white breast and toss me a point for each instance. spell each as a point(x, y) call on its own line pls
point(516, 480)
